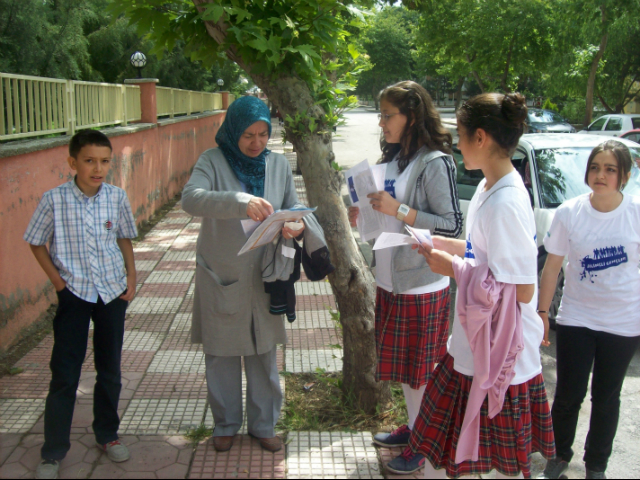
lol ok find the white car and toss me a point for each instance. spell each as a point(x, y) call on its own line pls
point(552, 167)
point(613, 125)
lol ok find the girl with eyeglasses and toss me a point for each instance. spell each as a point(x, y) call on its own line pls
point(412, 304)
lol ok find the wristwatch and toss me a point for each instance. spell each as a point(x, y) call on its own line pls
point(403, 211)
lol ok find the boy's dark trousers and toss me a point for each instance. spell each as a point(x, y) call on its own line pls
point(610, 355)
point(71, 331)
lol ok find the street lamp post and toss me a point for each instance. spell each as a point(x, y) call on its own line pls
point(138, 61)
point(220, 84)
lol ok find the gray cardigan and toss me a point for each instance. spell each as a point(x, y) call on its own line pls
point(431, 190)
point(231, 309)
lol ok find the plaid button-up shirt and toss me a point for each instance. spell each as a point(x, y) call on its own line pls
point(82, 233)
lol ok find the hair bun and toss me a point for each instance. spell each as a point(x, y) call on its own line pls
point(514, 108)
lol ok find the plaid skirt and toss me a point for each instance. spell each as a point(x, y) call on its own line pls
point(506, 442)
point(411, 335)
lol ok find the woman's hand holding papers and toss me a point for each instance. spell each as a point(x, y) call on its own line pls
point(383, 202)
point(439, 261)
point(258, 209)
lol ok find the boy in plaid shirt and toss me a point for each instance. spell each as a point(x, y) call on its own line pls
point(88, 225)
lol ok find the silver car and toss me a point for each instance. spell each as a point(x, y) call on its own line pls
point(614, 125)
point(552, 167)
point(547, 121)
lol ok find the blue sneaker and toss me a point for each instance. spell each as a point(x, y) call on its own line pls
point(407, 463)
point(398, 438)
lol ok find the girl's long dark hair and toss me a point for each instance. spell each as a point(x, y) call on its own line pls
point(423, 124)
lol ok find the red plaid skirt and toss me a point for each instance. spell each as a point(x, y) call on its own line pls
point(506, 441)
point(411, 335)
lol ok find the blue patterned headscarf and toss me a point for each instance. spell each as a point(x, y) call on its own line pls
point(241, 114)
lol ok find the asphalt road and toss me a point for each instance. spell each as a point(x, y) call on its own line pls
point(359, 140)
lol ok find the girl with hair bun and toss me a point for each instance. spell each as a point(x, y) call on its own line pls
point(485, 407)
point(412, 302)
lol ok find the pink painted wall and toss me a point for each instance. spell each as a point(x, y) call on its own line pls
point(152, 165)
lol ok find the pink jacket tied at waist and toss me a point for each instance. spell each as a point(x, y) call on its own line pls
point(490, 316)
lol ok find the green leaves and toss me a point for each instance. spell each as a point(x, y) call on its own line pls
point(353, 51)
point(306, 39)
point(212, 12)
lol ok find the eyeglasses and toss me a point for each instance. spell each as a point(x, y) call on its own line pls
point(385, 117)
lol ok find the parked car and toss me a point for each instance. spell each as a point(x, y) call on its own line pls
point(633, 135)
point(552, 167)
point(614, 125)
point(547, 121)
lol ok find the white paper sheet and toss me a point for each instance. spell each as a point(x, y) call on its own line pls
point(271, 227)
point(249, 226)
point(420, 236)
point(416, 237)
point(363, 180)
point(389, 240)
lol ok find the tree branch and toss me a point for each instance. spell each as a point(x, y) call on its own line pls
point(218, 31)
point(605, 104)
point(474, 72)
point(594, 68)
point(626, 98)
point(10, 18)
point(505, 75)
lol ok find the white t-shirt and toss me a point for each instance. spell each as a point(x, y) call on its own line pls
point(501, 231)
point(602, 281)
point(396, 184)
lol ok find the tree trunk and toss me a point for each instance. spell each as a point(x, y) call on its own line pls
point(507, 65)
point(594, 70)
point(606, 105)
point(459, 92)
point(352, 282)
point(475, 73)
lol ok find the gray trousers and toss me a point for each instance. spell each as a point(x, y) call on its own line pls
point(264, 396)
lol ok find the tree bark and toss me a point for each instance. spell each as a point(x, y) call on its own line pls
point(475, 73)
point(459, 92)
point(505, 74)
point(606, 105)
point(352, 282)
point(591, 82)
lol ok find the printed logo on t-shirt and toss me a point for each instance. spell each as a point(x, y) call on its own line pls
point(390, 186)
point(603, 259)
point(468, 253)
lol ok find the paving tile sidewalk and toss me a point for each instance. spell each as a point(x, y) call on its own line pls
point(164, 391)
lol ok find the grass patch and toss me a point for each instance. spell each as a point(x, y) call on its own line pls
point(198, 434)
point(314, 401)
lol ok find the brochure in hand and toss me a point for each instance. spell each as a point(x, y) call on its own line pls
point(268, 230)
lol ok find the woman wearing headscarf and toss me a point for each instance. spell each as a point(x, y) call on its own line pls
point(241, 179)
